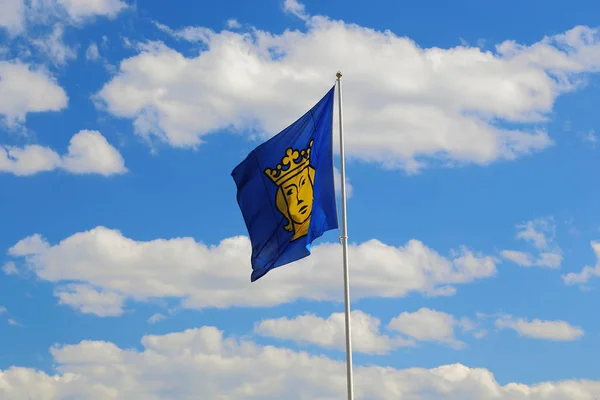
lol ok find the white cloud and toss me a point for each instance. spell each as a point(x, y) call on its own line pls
point(518, 257)
point(54, 47)
point(233, 24)
point(156, 318)
point(296, 8)
point(28, 160)
point(79, 10)
point(549, 259)
point(541, 233)
point(182, 365)
point(92, 53)
point(10, 268)
point(330, 333)
point(12, 15)
point(194, 272)
point(403, 104)
point(587, 272)
point(11, 321)
point(424, 325)
point(91, 301)
point(88, 153)
point(480, 334)
point(30, 245)
point(538, 329)
point(17, 15)
point(24, 89)
point(537, 232)
point(429, 325)
point(190, 33)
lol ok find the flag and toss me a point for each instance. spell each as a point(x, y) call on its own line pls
point(286, 192)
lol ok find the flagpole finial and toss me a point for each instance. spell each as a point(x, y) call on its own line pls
point(338, 75)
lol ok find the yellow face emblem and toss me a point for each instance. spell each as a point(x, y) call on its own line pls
point(294, 198)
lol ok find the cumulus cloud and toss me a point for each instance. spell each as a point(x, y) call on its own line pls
point(88, 153)
point(88, 300)
point(518, 257)
point(10, 268)
point(541, 233)
point(587, 272)
point(181, 365)
point(330, 332)
point(296, 8)
point(155, 318)
point(189, 33)
point(92, 53)
point(28, 160)
point(79, 10)
point(538, 329)
point(11, 321)
point(537, 232)
point(233, 23)
point(12, 15)
point(41, 24)
point(219, 275)
point(15, 15)
point(405, 106)
point(38, 26)
point(54, 47)
point(423, 325)
point(24, 89)
point(430, 325)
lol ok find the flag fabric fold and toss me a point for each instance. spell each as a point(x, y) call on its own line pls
point(286, 190)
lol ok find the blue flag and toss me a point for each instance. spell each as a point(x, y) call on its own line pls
point(286, 192)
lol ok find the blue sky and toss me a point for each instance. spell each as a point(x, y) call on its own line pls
point(472, 148)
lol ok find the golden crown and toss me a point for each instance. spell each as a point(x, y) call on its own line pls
point(293, 161)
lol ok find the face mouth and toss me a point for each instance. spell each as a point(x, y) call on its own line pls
point(303, 209)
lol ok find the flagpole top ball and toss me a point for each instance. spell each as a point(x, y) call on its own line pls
point(339, 74)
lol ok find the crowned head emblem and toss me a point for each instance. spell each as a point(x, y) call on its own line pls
point(294, 178)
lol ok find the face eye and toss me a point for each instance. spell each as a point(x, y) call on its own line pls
point(289, 192)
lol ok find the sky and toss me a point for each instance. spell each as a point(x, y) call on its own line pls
point(471, 155)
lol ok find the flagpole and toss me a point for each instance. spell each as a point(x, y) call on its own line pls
point(344, 241)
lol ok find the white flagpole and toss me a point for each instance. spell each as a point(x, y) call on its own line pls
point(344, 241)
